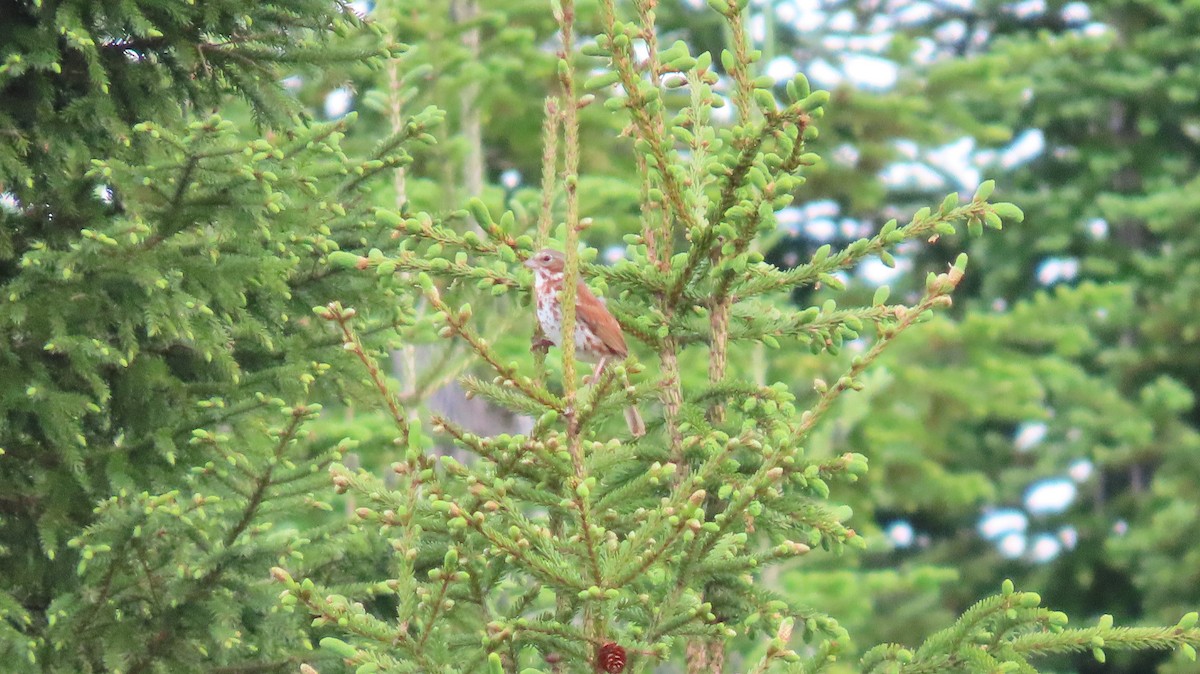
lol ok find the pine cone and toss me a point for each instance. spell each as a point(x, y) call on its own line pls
point(611, 658)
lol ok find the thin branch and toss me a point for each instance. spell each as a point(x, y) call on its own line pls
point(350, 341)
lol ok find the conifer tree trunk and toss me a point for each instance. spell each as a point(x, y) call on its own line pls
point(471, 126)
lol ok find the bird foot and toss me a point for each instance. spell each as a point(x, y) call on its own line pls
point(541, 345)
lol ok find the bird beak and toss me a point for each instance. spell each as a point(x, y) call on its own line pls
point(529, 263)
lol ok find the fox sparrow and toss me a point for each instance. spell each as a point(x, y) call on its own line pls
point(598, 337)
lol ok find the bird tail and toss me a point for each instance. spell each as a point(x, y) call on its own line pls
point(636, 426)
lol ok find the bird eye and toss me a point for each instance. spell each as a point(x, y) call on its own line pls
point(546, 257)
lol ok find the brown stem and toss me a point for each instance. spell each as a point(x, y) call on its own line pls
point(673, 403)
point(718, 354)
point(351, 342)
point(433, 614)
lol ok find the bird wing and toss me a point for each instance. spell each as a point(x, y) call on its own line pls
point(592, 310)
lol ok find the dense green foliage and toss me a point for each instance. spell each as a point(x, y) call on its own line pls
point(172, 411)
point(158, 262)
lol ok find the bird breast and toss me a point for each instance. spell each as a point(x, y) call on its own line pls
point(548, 297)
point(549, 306)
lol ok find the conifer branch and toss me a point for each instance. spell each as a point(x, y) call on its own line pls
point(599, 406)
point(511, 463)
point(456, 324)
point(555, 629)
point(937, 293)
point(824, 326)
point(222, 558)
point(649, 35)
point(183, 182)
point(797, 116)
point(645, 106)
point(569, 105)
point(770, 194)
point(1109, 638)
point(739, 65)
point(772, 469)
point(504, 392)
point(1006, 630)
point(351, 618)
point(299, 413)
point(777, 649)
point(656, 226)
point(666, 524)
point(538, 566)
point(595, 396)
point(350, 342)
point(924, 224)
point(495, 277)
point(550, 124)
point(438, 603)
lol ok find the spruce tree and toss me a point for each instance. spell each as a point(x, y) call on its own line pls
point(575, 547)
point(166, 210)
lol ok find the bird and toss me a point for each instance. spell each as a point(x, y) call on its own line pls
point(598, 336)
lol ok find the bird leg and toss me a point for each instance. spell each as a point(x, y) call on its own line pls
point(595, 376)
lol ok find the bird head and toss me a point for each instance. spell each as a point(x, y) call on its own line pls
point(548, 260)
